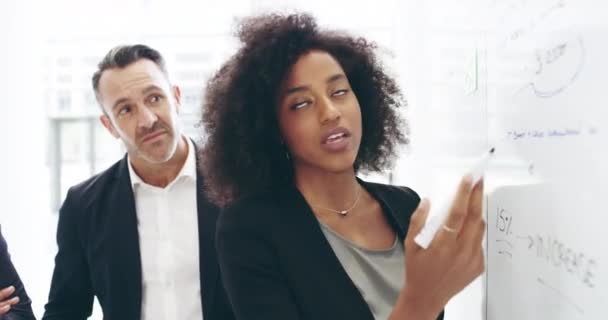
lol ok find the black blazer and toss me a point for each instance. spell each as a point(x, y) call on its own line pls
point(99, 252)
point(9, 277)
point(277, 264)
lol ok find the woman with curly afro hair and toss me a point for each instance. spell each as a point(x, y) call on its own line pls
point(291, 118)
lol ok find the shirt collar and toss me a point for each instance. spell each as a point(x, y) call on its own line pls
point(188, 170)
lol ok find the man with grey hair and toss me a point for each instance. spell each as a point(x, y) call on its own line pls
point(140, 235)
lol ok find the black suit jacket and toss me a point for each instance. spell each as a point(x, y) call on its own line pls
point(277, 263)
point(9, 277)
point(99, 252)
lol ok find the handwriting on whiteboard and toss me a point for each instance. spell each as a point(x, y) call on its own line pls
point(558, 67)
point(545, 248)
point(552, 133)
point(548, 250)
point(531, 22)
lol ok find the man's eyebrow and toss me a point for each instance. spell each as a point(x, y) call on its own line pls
point(150, 88)
point(119, 102)
point(146, 90)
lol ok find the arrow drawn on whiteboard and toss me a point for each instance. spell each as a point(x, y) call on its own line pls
point(530, 240)
point(563, 296)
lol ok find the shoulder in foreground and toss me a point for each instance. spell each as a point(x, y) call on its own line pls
point(264, 210)
point(253, 207)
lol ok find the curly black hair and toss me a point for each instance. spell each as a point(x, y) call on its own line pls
point(244, 153)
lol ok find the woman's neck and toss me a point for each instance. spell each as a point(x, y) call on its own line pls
point(322, 189)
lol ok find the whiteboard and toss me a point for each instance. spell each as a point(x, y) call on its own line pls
point(531, 79)
point(545, 254)
point(547, 71)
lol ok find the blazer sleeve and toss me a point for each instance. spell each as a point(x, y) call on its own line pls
point(9, 277)
point(71, 294)
point(250, 271)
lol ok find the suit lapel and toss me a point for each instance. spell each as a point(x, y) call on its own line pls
point(125, 265)
point(312, 245)
point(209, 270)
point(396, 209)
point(125, 278)
point(315, 253)
point(398, 205)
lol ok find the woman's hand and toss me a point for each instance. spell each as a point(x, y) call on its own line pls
point(453, 260)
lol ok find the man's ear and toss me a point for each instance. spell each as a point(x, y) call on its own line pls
point(177, 93)
point(107, 123)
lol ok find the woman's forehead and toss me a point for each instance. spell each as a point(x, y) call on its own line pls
point(313, 67)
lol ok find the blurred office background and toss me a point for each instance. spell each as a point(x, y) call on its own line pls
point(52, 138)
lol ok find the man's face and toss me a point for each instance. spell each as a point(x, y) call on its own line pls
point(141, 109)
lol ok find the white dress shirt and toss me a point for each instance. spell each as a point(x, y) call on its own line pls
point(169, 245)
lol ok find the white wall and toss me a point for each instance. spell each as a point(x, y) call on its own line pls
point(24, 193)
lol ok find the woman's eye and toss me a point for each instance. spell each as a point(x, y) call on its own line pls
point(340, 92)
point(299, 105)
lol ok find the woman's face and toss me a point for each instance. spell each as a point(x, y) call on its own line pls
point(319, 115)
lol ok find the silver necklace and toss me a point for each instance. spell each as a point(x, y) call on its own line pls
point(343, 213)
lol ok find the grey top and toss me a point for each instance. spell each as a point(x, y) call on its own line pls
point(378, 274)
